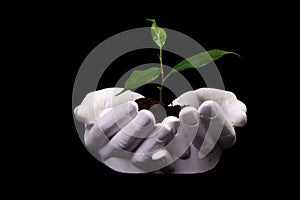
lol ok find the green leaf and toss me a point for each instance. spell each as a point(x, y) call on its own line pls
point(200, 59)
point(140, 77)
point(159, 35)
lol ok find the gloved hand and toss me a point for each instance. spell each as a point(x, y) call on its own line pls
point(122, 137)
point(116, 119)
point(216, 112)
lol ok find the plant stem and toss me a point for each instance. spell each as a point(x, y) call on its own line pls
point(162, 76)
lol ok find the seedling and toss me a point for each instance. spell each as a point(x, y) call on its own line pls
point(139, 78)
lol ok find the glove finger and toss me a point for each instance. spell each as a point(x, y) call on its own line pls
point(189, 98)
point(130, 136)
point(96, 102)
point(236, 113)
point(88, 110)
point(214, 128)
point(189, 121)
point(234, 109)
point(242, 106)
point(162, 135)
point(109, 124)
point(212, 94)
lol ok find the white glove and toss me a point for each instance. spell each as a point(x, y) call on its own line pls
point(216, 112)
point(115, 129)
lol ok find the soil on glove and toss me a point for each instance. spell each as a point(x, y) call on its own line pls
point(147, 103)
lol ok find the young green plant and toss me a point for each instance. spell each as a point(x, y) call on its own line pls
point(139, 78)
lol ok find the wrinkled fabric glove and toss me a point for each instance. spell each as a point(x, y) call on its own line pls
point(115, 129)
point(128, 140)
point(216, 113)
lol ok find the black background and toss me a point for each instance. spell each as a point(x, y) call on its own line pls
point(45, 43)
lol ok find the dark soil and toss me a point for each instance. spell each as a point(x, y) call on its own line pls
point(147, 103)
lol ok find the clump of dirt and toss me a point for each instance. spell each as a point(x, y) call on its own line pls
point(147, 103)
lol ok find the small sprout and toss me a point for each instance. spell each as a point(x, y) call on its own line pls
point(139, 78)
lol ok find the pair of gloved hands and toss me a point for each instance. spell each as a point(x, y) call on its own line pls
point(131, 141)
